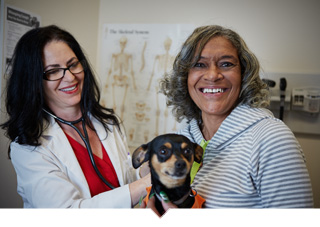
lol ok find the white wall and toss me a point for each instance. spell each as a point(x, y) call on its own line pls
point(284, 34)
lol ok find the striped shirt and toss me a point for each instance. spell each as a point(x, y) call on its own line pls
point(253, 161)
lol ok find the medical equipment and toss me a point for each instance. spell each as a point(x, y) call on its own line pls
point(306, 99)
point(85, 139)
point(283, 86)
point(270, 83)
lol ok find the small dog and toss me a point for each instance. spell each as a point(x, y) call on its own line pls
point(170, 159)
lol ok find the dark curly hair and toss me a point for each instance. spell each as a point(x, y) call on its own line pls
point(24, 91)
point(254, 92)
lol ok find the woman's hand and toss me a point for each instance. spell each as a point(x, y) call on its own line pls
point(138, 188)
point(151, 204)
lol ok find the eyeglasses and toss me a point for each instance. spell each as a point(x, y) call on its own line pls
point(58, 73)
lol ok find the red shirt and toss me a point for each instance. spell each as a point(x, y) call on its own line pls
point(104, 165)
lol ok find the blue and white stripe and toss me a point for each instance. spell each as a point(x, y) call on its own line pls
point(253, 161)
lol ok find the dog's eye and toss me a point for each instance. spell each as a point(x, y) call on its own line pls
point(187, 152)
point(163, 152)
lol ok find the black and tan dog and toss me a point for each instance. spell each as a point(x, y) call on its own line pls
point(170, 159)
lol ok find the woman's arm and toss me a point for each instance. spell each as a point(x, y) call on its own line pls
point(45, 182)
point(282, 178)
point(138, 189)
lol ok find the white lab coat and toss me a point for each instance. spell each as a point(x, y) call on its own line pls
point(49, 176)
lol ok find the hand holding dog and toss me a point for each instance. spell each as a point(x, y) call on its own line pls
point(151, 204)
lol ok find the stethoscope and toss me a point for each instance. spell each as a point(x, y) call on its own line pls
point(85, 139)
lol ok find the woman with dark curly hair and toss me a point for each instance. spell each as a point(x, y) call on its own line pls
point(251, 159)
point(55, 120)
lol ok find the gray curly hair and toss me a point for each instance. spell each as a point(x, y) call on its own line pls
point(174, 85)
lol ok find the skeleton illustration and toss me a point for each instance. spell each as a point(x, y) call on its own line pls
point(121, 66)
point(161, 65)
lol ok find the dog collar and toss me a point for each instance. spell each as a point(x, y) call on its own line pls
point(179, 201)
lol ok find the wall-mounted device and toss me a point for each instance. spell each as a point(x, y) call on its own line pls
point(283, 86)
point(270, 83)
point(306, 99)
point(280, 99)
point(301, 112)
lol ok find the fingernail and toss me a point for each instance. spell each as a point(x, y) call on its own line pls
point(164, 197)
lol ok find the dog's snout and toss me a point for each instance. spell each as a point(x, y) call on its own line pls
point(180, 164)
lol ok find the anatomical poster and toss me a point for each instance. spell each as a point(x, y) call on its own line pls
point(133, 58)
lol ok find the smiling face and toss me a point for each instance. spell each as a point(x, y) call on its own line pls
point(214, 82)
point(63, 94)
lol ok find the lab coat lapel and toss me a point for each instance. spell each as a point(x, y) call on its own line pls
point(60, 146)
point(109, 143)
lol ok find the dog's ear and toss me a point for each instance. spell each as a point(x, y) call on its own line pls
point(140, 155)
point(198, 152)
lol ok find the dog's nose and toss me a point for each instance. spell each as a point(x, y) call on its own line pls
point(180, 164)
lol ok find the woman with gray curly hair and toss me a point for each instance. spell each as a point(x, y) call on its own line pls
point(251, 159)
